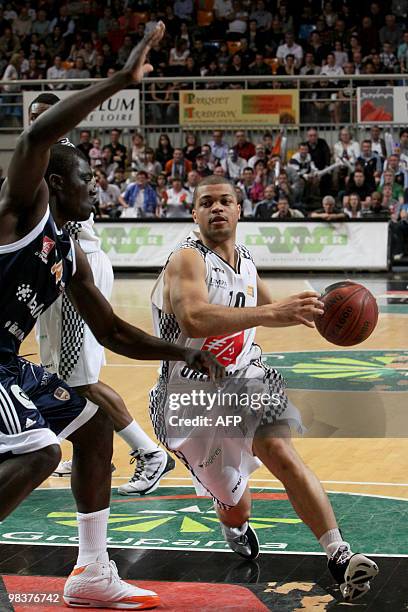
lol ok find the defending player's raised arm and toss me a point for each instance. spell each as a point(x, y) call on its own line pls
point(121, 337)
point(188, 294)
point(30, 158)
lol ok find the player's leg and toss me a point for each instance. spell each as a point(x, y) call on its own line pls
point(21, 474)
point(236, 530)
point(352, 572)
point(151, 461)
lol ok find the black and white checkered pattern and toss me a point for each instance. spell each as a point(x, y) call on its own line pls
point(243, 251)
point(277, 385)
point(72, 324)
point(168, 327)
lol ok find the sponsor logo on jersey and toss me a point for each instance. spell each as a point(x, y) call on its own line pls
point(14, 329)
point(220, 270)
point(47, 247)
point(250, 290)
point(57, 269)
point(22, 397)
point(61, 394)
point(225, 348)
point(219, 283)
point(29, 423)
point(24, 294)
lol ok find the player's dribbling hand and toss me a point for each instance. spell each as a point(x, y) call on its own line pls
point(136, 64)
point(204, 362)
point(295, 310)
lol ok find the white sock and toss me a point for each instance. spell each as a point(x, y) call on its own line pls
point(330, 541)
point(92, 531)
point(136, 438)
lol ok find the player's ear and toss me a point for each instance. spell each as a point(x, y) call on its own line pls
point(194, 214)
point(56, 182)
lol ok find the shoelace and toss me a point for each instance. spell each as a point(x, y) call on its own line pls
point(344, 555)
point(114, 575)
point(140, 467)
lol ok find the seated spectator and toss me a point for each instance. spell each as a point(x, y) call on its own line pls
point(88, 54)
point(259, 68)
point(288, 68)
point(387, 57)
point(388, 180)
point(330, 68)
point(346, 148)
point(377, 142)
point(219, 171)
point(192, 147)
point(161, 187)
point(57, 72)
point(76, 47)
point(96, 152)
point(80, 71)
point(358, 184)
point(43, 58)
point(235, 67)
point(352, 209)
point(119, 179)
point(251, 188)
point(164, 151)
point(284, 188)
point(178, 165)
point(284, 212)
point(108, 198)
point(179, 54)
point(262, 16)
point(391, 32)
point(340, 56)
point(300, 171)
point(119, 151)
point(369, 162)
point(33, 73)
point(193, 178)
point(238, 20)
point(41, 25)
point(399, 168)
point(177, 201)
point(266, 207)
point(219, 148)
point(321, 157)
point(402, 53)
point(85, 144)
point(107, 163)
point(290, 47)
point(328, 212)
point(309, 67)
point(243, 147)
point(201, 166)
point(183, 9)
point(139, 199)
point(149, 164)
point(389, 203)
point(260, 154)
point(210, 160)
point(138, 150)
point(162, 107)
point(233, 165)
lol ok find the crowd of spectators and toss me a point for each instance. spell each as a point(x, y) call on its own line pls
point(353, 180)
point(331, 40)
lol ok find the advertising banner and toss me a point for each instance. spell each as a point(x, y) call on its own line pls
point(382, 105)
point(121, 110)
point(274, 246)
point(224, 107)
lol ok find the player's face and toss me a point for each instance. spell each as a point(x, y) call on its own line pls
point(79, 192)
point(216, 212)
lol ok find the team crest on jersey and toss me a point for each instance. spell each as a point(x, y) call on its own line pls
point(47, 246)
point(225, 348)
point(61, 394)
point(57, 269)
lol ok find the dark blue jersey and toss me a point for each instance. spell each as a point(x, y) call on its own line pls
point(34, 271)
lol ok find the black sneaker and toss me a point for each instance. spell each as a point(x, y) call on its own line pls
point(352, 572)
point(150, 468)
point(245, 545)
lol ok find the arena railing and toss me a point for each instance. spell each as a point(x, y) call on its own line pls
point(326, 107)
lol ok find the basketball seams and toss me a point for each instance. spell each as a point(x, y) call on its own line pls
point(323, 330)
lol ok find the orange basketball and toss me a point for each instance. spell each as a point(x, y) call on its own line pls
point(350, 314)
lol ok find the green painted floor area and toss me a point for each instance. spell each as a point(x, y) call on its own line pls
point(356, 370)
point(174, 518)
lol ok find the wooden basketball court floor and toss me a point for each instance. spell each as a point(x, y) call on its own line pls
point(353, 402)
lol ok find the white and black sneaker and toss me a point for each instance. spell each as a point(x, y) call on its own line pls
point(150, 467)
point(244, 544)
point(353, 572)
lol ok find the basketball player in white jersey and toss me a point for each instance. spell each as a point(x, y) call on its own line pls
point(210, 296)
point(69, 348)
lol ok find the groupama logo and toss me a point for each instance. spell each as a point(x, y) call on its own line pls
point(296, 238)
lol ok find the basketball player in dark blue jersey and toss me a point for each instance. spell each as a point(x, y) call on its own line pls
point(38, 261)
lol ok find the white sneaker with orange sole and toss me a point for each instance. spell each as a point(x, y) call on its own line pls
point(98, 585)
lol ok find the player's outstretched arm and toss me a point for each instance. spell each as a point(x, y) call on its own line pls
point(188, 293)
point(123, 338)
point(30, 158)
